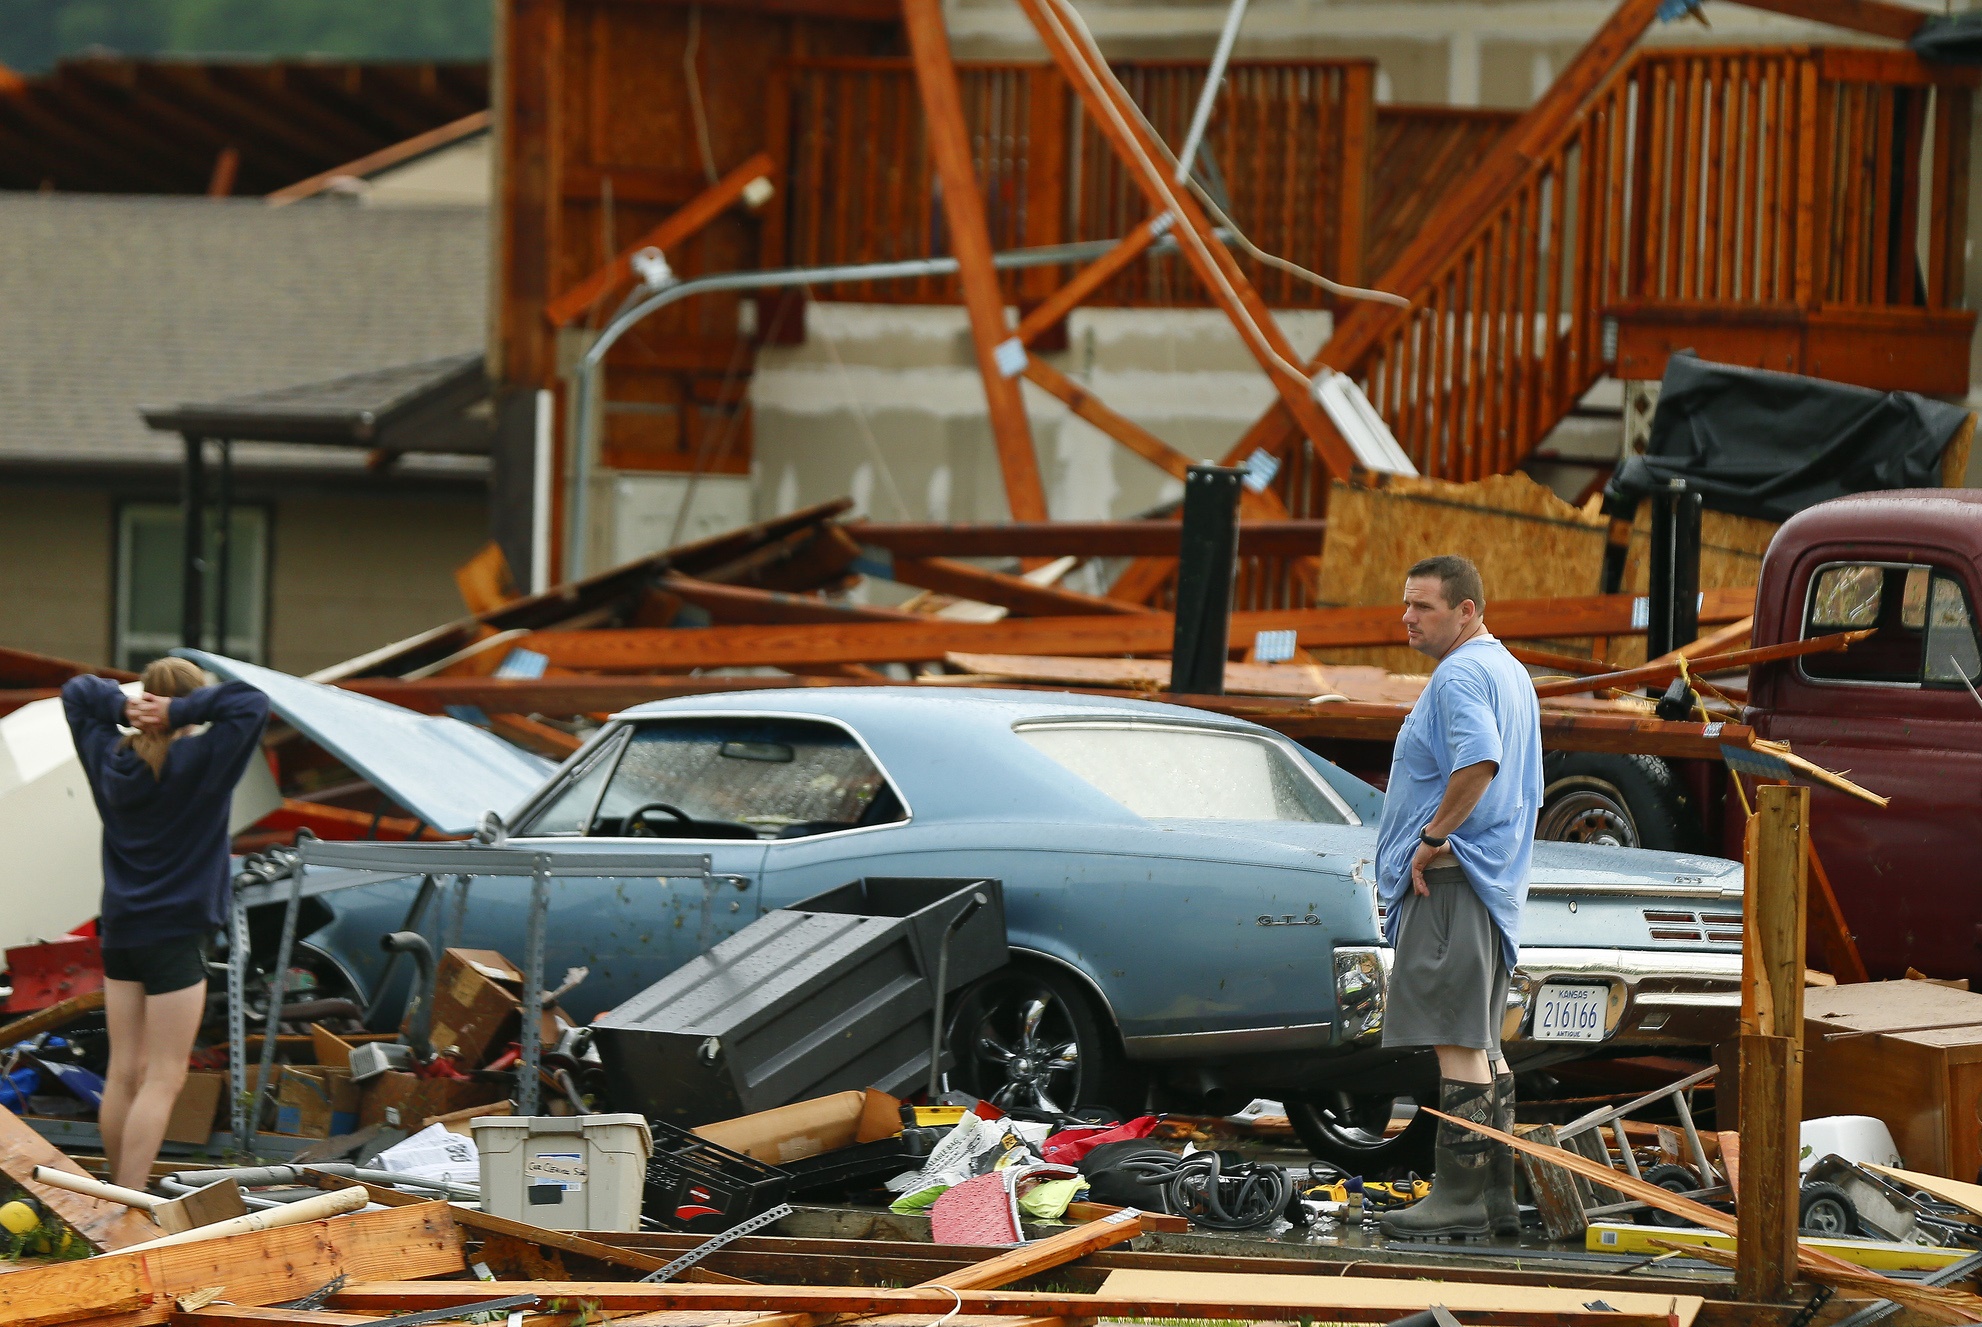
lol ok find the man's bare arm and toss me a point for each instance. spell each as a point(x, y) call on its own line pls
point(1462, 794)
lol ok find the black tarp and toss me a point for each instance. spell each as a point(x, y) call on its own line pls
point(1757, 443)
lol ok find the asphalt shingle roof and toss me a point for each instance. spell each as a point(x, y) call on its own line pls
point(110, 302)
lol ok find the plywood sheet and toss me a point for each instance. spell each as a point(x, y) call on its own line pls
point(1320, 1293)
point(1527, 543)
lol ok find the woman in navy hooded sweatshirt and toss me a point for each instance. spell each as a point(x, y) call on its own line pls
point(163, 793)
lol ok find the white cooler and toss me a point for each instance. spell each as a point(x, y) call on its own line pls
point(564, 1172)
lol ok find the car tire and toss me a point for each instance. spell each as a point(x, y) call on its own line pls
point(1826, 1210)
point(1346, 1130)
point(1624, 801)
point(1009, 1044)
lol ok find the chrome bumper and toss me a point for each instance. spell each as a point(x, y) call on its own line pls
point(1657, 997)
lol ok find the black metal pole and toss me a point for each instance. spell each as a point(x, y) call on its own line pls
point(223, 547)
point(1685, 569)
point(1205, 569)
point(1658, 586)
point(192, 607)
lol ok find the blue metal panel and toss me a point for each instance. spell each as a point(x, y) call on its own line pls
point(443, 771)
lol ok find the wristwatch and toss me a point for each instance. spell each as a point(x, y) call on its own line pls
point(1433, 840)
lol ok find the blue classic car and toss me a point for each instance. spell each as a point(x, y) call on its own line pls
point(1189, 897)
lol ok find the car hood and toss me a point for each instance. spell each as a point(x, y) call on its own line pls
point(1557, 867)
point(444, 771)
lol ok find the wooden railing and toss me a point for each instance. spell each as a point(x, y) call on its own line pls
point(1719, 180)
point(1289, 143)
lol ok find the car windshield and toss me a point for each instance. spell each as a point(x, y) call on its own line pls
point(722, 778)
point(1164, 772)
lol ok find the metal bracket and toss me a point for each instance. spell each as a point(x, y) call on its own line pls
point(709, 1246)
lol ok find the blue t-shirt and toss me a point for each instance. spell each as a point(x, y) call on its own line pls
point(1479, 705)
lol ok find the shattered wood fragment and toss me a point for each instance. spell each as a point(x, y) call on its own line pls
point(264, 1267)
point(1332, 1299)
point(106, 1225)
point(636, 650)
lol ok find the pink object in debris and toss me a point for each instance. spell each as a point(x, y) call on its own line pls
point(978, 1211)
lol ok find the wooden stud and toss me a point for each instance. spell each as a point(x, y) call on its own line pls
point(1022, 597)
point(970, 239)
point(1773, 959)
point(693, 216)
point(1827, 919)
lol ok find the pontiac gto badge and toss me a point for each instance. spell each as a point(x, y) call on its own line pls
point(1289, 919)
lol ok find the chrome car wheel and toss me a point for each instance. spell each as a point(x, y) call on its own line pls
point(1025, 1041)
point(1586, 811)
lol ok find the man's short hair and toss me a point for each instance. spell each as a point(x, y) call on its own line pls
point(1457, 576)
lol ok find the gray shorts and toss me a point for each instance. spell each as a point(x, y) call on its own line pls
point(1448, 983)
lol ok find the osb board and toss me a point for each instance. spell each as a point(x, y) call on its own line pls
point(1731, 549)
point(261, 1267)
point(1527, 542)
point(1320, 1293)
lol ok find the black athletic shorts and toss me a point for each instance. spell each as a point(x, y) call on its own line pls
point(169, 965)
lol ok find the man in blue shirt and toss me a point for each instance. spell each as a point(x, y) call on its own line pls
point(1452, 856)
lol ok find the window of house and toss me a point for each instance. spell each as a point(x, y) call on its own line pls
point(1922, 625)
point(736, 777)
point(150, 564)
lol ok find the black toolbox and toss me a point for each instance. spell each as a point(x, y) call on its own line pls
point(835, 992)
point(696, 1185)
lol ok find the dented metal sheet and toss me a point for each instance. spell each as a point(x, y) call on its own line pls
point(445, 772)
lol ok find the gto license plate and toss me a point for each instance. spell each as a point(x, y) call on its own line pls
point(1571, 1013)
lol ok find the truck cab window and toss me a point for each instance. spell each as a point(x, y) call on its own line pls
point(1923, 630)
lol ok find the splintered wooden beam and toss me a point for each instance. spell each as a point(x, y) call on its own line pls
point(698, 212)
point(638, 650)
point(1015, 1264)
point(1021, 596)
point(1898, 22)
point(1654, 673)
point(106, 1225)
point(1120, 123)
point(262, 1267)
point(1083, 539)
point(1263, 506)
point(970, 241)
point(1091, 278)
point(1331, 1300)
point(740, 603)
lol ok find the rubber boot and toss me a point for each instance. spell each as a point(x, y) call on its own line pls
point(1503, 1207)
point(1456, 1205)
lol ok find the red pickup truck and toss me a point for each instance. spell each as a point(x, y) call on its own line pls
point(1897, 712)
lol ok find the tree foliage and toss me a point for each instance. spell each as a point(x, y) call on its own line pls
point(34, 34)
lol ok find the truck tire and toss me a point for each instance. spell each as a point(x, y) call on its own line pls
point(1618, 801)
point(1347, 1130)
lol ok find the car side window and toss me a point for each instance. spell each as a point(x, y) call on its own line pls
point(1923, 630)
point(743, 778)
point(570, 810)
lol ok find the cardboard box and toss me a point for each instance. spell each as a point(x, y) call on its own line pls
point(809, 1128)
point(198, 1108)
point(407, 1101)
point(332, 1050)
point(478, 1006)
point(315, 1101)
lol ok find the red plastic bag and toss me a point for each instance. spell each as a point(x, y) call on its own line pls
point(1068, 1146)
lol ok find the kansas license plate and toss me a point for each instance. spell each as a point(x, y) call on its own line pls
point(1565, 1012)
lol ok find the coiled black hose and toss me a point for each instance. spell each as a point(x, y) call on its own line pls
point(1251, 1195)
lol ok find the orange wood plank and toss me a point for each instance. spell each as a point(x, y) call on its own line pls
point(694, 215)
point(970, 238)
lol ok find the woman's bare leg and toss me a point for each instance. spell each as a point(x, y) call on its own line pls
point(171, 1022)
point(124, 1013)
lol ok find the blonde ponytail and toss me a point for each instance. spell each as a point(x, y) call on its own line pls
point(172, 677)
